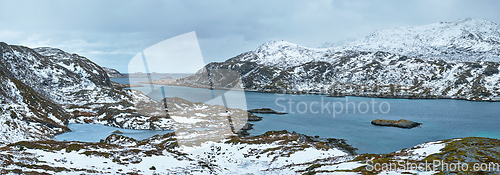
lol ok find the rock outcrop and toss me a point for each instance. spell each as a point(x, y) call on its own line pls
point(265, 111)
point(112, 73)
point(396, 123)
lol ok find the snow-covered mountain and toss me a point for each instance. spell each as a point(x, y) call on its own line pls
point(44, 89)
point(449, 62)
point(283, 54)
point(463, 40)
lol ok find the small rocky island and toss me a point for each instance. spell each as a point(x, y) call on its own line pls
point(401, 123)
point(115, 84)
point(253, 118)
point(266, 111)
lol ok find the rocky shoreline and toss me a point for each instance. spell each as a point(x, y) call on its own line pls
point(173, 82)
point(266, 111)
point(118, 85)
point(274, 152)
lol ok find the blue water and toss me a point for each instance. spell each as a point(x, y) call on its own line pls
point(96, 132)
point(137, 79)
point(442, 119)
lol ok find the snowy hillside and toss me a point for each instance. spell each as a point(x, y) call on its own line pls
point(448, 62)
point(272, 152)
point(463, 40)
point(275, 152)
point(44, 89)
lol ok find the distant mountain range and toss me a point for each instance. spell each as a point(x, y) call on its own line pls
point(463, 40)
point(456, 60)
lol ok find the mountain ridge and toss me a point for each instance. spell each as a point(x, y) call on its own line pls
point(441, 40)
point(280, 66)
point(450, 41)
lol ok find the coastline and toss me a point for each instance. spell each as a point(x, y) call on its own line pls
point(321, 94)
point(409, 97)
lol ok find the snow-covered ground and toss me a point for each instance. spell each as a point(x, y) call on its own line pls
point(271, 153)
point(277, 152)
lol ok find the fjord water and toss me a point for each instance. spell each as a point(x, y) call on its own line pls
point(440, 118)
point(96, 132)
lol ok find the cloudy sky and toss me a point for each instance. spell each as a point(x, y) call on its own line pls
point(111, 33)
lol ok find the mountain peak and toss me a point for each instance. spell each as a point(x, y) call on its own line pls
point(439, 30)
point(275, 44)
point(469, 24)
point(461, 40)
point(474, 20)
point(52, 52)
point(284, 53)
point(49, 49)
